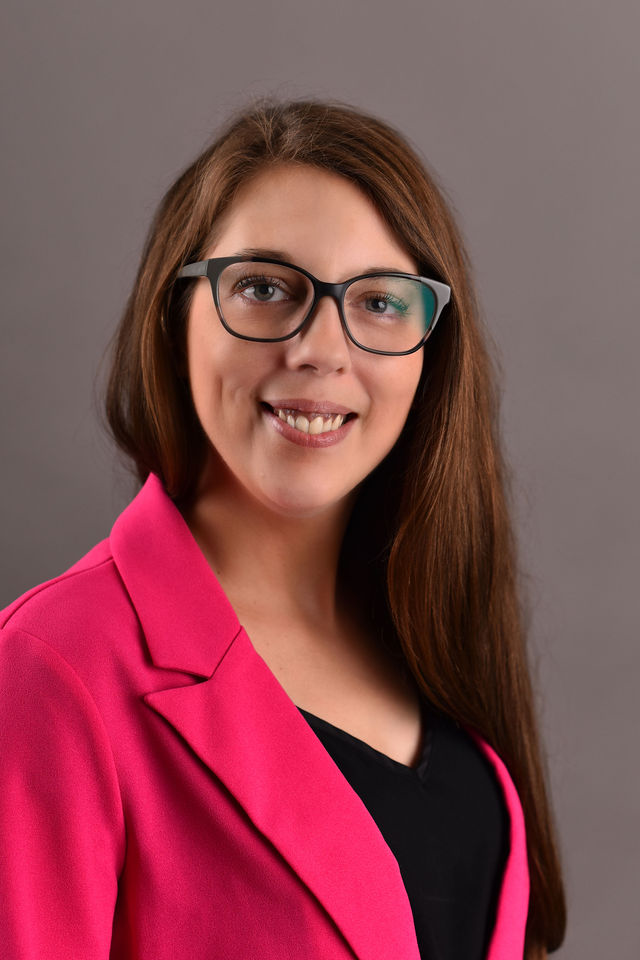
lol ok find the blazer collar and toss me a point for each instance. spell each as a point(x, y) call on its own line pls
point(259, 746)
point(186, 618)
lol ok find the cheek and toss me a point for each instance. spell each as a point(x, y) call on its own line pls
point(402, 394)
point(225, 373)
point(203, 358)
point(207, 352)
point(402, 383)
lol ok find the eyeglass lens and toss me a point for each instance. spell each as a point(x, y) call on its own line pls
point(267, 300)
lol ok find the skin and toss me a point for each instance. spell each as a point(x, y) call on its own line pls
point(270, 515)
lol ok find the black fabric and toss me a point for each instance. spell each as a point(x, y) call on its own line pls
point(446, 823)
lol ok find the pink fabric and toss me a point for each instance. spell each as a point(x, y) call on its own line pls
point(162, 797)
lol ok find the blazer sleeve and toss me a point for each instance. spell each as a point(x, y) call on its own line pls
point(61, 819)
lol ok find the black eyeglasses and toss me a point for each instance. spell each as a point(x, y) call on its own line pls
point(270, 300)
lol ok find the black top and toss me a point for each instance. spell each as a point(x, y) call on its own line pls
point(446, 823)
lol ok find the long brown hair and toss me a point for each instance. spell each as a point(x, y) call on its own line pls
point(431, 529)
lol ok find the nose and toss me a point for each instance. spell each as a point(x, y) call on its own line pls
point(322, 344)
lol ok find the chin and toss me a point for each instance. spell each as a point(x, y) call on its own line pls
point(302, 505)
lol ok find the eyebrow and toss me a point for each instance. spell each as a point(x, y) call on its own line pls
point(270, 254)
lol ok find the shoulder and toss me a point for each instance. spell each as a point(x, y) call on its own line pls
point(60, 797)
point(79, 615)
point(52, 593)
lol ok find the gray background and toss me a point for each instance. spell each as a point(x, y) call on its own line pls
point(528, 112)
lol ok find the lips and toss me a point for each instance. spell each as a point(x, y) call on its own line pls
point(306, 425)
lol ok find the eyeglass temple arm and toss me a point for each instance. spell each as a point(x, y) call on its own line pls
point(443, 291)
point(198, 269)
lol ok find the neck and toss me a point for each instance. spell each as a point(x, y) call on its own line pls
point(268, 563)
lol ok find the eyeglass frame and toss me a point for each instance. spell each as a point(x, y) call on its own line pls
point(212, 269)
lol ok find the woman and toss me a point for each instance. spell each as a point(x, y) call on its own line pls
point(284, 709)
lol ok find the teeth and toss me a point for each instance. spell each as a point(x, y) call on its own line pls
point(319, 423)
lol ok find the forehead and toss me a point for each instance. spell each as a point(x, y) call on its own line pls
point(319, 218)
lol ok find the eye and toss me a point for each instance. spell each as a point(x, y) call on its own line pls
point(383, 304)
point(261, 289)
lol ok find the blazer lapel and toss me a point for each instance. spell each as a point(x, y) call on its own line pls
point(265, 753)
point(507, 940)
point(243, 725)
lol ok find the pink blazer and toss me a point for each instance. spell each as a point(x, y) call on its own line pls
point(161, 797)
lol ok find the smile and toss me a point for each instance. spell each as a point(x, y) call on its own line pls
point(309, 428)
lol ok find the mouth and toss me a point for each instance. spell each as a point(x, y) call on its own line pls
point(309, 419)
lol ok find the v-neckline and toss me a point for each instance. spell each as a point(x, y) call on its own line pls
point(417, 769)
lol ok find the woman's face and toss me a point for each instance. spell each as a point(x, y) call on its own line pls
point(325, 224)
